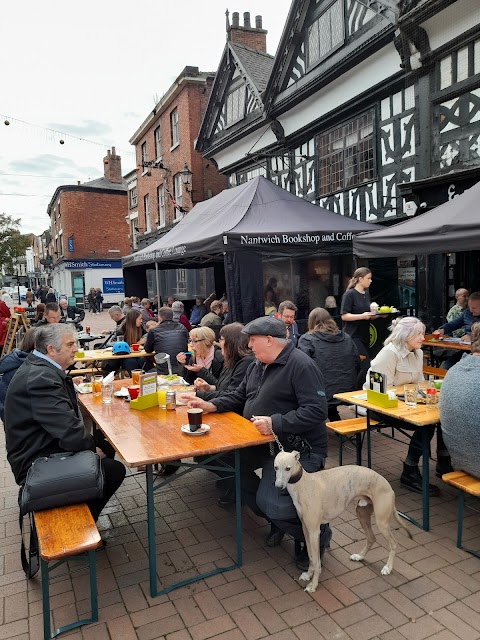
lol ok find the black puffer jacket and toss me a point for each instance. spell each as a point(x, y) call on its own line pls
point(229, 379)
point(169, 337)
point(8, 367)
point(336, 355)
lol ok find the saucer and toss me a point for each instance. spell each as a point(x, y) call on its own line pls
point(185, 428)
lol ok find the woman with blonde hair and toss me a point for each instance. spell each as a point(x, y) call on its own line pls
point(401, 362)
point(334, 353)
point(207, 359)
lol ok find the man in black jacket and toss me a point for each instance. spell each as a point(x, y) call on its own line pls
point(42, 415)
point(168, 337)
point(282, 393)
point(69, 311)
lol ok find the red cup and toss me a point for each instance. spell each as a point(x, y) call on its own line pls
point(436, 335)
point(135, 347)
point(133, 391)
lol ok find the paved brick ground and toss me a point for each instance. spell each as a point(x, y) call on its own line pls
point(433, 591)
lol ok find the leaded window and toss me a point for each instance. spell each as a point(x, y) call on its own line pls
point(346, 155)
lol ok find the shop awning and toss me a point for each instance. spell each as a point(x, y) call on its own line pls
point(453, 226)
point(258, 216)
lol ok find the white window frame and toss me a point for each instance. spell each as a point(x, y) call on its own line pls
point(158, 143)
point(144, 152)
point(178, 194)
point(174, 128)
point(161, 205)
point(133, 197)
point(146, 205)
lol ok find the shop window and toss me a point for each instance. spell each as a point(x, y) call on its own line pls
point(346, 155)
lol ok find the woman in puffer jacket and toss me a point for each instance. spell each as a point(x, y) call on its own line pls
point(335, 354)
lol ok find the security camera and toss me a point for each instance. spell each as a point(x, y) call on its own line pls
point(62, 141)
point(6, 123)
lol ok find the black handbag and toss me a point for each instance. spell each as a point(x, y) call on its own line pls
point(56, 481)
point(62, 479)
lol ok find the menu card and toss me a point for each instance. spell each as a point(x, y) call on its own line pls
point(378, 381)
point(148, 383)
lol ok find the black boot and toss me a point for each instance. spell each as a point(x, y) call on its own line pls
point(411, 479)
point(444, 465)
point(275, 536)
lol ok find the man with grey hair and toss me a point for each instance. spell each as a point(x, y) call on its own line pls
point(146, 312)
point(118, 317)
point(42, 415)
point(282, 393)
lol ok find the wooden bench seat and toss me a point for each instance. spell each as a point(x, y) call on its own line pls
point(63, 533)
point(434, 371)
point(465, 483)
point(352, 430)
point(83, 372)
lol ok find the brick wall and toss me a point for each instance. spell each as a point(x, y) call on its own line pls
point(190, 103)
point(97, 223)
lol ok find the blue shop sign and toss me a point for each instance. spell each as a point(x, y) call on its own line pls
point(112, 285)
point(71, 246)
point(93, 264)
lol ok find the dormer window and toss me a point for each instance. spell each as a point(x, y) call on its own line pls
point(326, 34)
point(235, 106)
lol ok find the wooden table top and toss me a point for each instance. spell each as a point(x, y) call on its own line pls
point(153, 435)
point(429, 341)
point(420, 416)
point(106, 354)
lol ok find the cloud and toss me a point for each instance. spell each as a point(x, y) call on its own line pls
point(52, 165)
point(90, 129)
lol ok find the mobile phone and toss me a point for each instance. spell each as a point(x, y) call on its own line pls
point(188, 357)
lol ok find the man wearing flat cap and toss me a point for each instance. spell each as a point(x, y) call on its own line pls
point(282, 392)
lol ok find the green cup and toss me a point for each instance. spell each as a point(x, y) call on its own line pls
point(438, 384)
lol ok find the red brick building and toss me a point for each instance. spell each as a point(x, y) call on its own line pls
point(89, 235)
point(164, 145)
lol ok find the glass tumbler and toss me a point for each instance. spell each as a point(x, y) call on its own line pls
point(107, 393)
point(410, 391)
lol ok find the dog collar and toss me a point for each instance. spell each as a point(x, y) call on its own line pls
point(295, 478)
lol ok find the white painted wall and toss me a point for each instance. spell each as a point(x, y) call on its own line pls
point(62, 281)
point(452, 22)
point(377, 68)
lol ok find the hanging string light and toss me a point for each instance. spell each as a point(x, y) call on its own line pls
point(56, 136)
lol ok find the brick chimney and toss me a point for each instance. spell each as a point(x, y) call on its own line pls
point(252, 37)
point(113, 167)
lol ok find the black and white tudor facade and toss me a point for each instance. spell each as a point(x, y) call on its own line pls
point(371, 108)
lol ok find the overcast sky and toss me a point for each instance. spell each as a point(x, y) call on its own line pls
point(94, 70)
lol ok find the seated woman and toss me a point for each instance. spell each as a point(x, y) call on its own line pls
point(39, 311)
point(401, 361)
point(132, 335)
point(335, 354)
point(207, 360)
point(236, 359)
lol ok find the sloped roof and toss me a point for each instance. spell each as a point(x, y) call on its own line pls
point(258, 65)
point(103, 183)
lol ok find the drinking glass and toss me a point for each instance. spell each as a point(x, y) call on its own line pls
point(162, 396)
point(97, 386)
point(107, 393)
point(410, 391)
point(432, 397)
point(136, 373)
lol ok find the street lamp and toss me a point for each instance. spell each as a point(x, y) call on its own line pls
point(186, 175)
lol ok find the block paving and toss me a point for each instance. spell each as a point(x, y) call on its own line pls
point(433, 591)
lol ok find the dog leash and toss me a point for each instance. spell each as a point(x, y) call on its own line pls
point(271, 446)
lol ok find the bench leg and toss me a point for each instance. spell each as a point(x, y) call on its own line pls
point(45, 600)
point(340, 451)
point(92, 562)
point(461, 504)
point(358, 447)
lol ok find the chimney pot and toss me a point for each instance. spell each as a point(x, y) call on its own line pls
point(258, 22)
point(235, 19)
point(246, 19)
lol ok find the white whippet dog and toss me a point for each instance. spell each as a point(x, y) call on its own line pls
point(322, 496)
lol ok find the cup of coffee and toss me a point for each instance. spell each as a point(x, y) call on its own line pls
point(195, 418)
point(135, 347)
point(133, 391)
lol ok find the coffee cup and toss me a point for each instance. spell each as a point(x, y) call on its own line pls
point(135, 347)
point(133, 391)
point(195, 418)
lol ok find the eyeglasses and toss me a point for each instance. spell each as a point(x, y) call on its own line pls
point(200, 340)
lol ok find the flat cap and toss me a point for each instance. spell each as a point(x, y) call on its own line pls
point(266, 326)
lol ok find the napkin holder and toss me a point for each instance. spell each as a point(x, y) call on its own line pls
point(145, 402)
point(381, 399)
